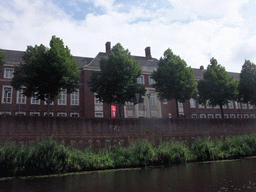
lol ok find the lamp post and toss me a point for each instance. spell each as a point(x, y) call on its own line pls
point(148, 95)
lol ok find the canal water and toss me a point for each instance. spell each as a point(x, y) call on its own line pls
point(237, 175)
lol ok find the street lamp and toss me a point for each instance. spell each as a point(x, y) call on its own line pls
point(148, 95)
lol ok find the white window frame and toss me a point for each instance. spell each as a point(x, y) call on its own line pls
point(129, 103)
point(74, 113)
point(193, 116)
point(74, 97)
point(210, 116)
point(97, 100)
point(62, 114)
point(246, 116)
point(35, 101)
point(98, 114)
point(9, 74)
point(239, 116)
point(20, 112)
point(20, 96)
point(34, 113)
point(52, 103)
point(165, 102)
point(152, 99)
point(192, 103)
point(252, 116)
point(237, 105)
point(224, 106)
point(217, 116)
point(250, 106)
point(140, 80)
point(230, 105)
point(50, 113)
point(63, 98)
point(151, 81)
point(202, 116)
point(8, 95)
point(226, 116)
point(5, 112)
point(216, 107)
point(244, 106)
point(232, 116)
point(200, 106)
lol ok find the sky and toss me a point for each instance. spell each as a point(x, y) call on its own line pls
point(195, 30)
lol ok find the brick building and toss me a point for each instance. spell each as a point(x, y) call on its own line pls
point(83, 102)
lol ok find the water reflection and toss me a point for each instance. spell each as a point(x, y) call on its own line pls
point(236, 175)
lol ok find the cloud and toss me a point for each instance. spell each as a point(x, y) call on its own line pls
point(194, 30)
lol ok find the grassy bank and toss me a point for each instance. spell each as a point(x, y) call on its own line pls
point(49, 157)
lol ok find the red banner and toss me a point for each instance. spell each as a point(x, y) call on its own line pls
point(113, 111)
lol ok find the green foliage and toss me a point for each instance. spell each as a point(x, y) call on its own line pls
point(174, 80)
point(216, 87)
point(172, 153)
point(247, 83)
point(116, 80)
point(45, 72)
point(2, 56)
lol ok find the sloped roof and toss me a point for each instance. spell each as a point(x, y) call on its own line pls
point(15, 57)
point(199, 74)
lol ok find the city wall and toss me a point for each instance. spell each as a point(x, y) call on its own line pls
point(100, 132)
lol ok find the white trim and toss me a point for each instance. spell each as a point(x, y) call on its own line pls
point(246, 116)
point(217, 116)
point(33, 99)
point(226, 116)
point(62, 114)
point(98, 114)
point(252, 116)
point(210, 116)
point(77, 99)
point(51, 114)
point(151, 81)
point(20, 112)
point(141, 77)
point(5, 112)
point(64, 95)
point(74, 113)
point(193, 116)
point(17, 98)
point(5, 73)
point(239, 116)
point(202, 116)
point(34, 113)
point(232, 116)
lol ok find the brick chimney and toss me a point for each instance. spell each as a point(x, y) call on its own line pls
point(108, 47)
point(202, 67)
point(147, 52)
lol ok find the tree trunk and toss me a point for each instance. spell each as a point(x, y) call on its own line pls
point(222, 114)
point(177, 108)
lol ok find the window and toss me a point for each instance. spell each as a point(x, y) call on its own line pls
point(7, 94)
point(52, 103)
point(208, 106)
point(128, 103)
point(217, 115)
point(20, 113)
point(8, 73)
point(75, 97)
point(34, 113)
point(200, 105)
point(252, 116)
point(5, 113)
point(151, 81)
point(226, 116)
point(180, 107)
point(152, 99)
point(74, 114)
point(244, 106)
point(165, 101)
point(63, 98)
point(35, 101)
point(232, 116)
point(224, 106)
point(202, 116)
point(210, 116)
point(97, 100)
point(21, 98)
point(216, 107)
point(192, 103)
point(194, 116)
point(239, 116)
point(230, 105)
point(250, 106)
point(61, 114)
point(50, 114)
point(246, 116)
point(237, 105)
point(98, 114)
point(140, 79)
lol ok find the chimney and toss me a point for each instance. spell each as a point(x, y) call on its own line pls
point(202, 67)
point(147, 52)
point(108, 47)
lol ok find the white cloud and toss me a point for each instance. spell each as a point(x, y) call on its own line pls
point(213, 29)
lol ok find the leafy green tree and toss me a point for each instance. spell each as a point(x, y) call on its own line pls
point(116, 82)
point(217, 87)
point(174, 80)
point(2, 56)
point(45, 72)
point(247, 83)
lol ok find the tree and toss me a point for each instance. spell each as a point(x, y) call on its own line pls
point(116, 82)
point(174, 80)
point(46, 72)
point(247, 83)
point(2, 56)
point(217, 87)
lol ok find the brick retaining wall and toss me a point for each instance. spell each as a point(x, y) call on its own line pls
point(99, 132)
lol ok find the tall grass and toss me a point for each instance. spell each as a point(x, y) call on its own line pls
point(48, 156)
